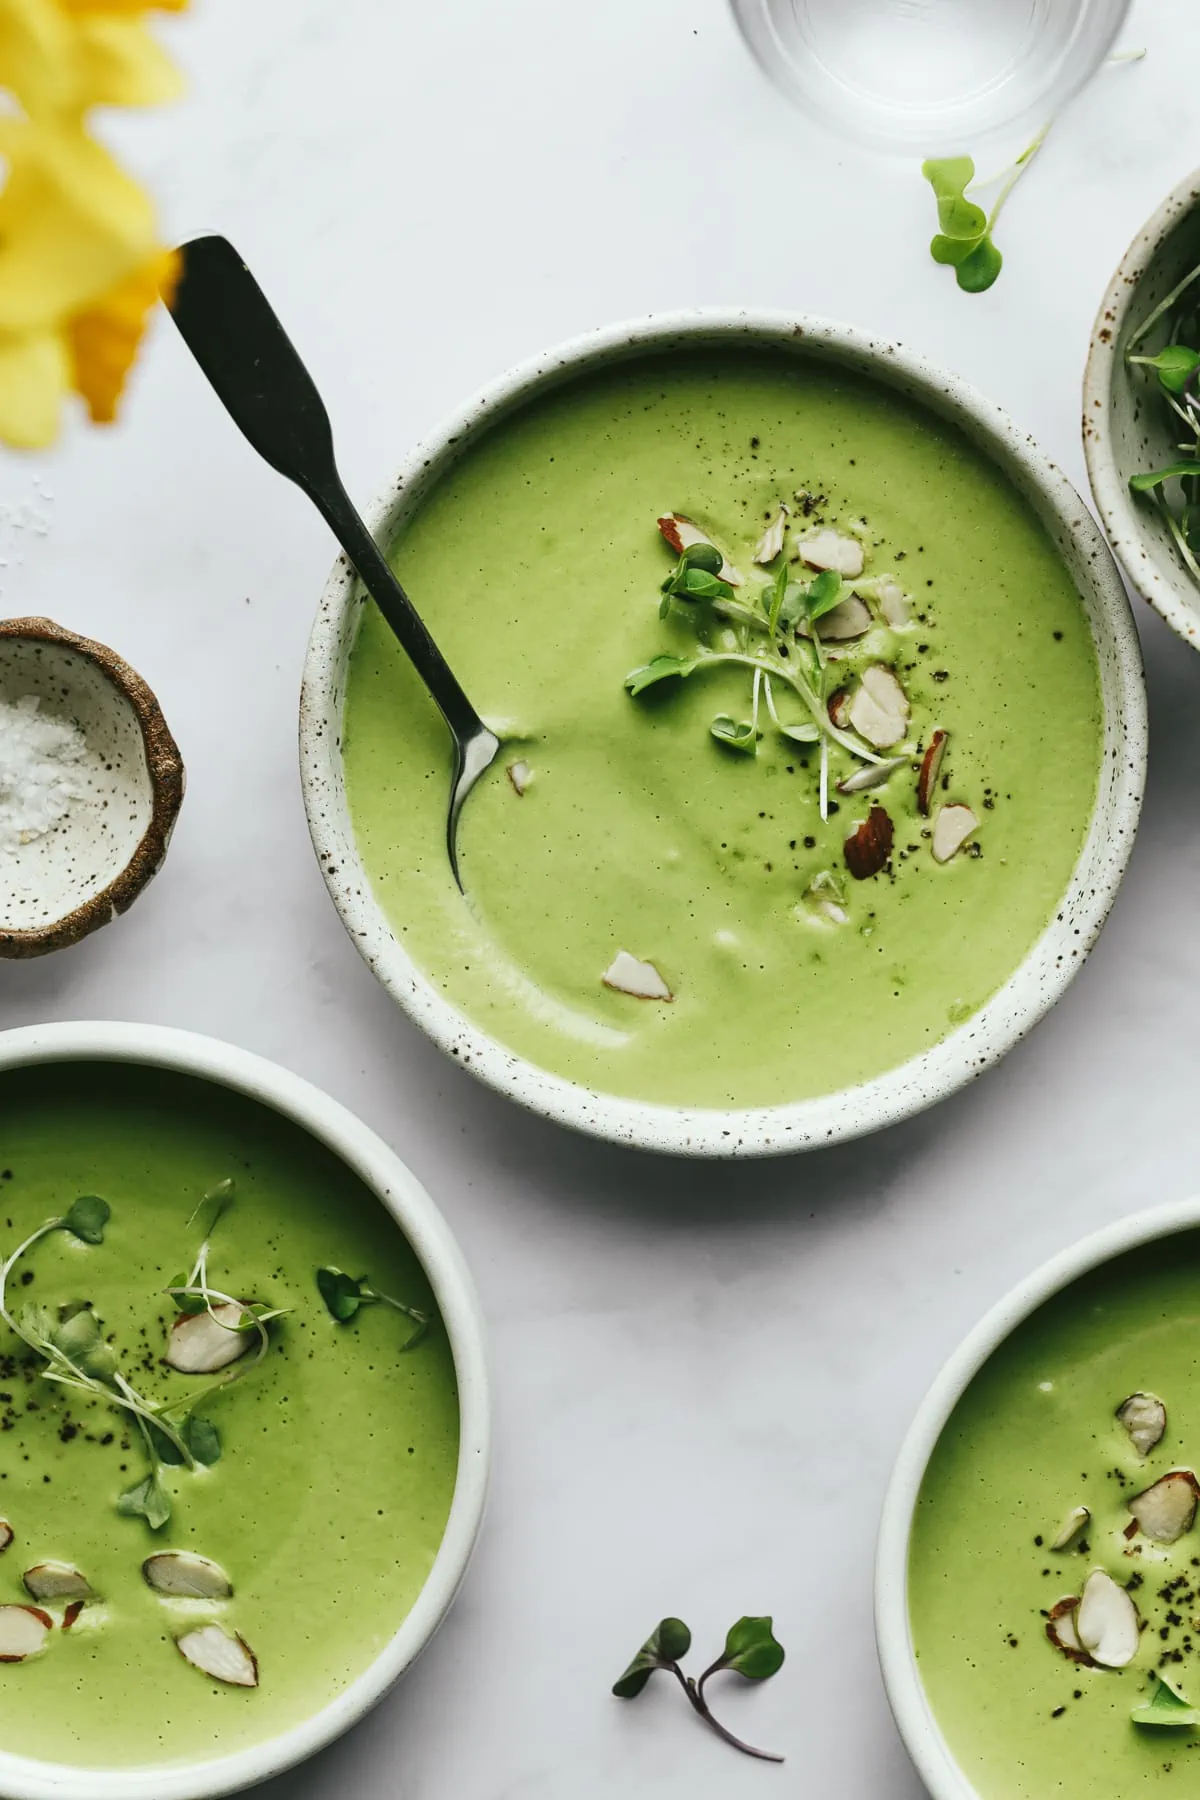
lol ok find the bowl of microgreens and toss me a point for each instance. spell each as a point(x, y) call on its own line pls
point(780, 627)
point(244, 1399)
point(1141, 410)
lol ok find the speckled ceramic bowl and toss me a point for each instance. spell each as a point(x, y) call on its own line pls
point(923, 1736)
point(401, 1195)
point(126, 790)
point(1028, 993)
point(1126, 430)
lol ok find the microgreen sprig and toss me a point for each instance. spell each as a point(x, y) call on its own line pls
point(963, 240)
point(77, 1355)
point(345, 1295)
point(769, 647)
point(1176, 367)
point(751, 1650)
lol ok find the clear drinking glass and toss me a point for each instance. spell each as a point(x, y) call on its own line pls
point(931, 76)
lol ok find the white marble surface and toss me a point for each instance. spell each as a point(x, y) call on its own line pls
point(701, 1373)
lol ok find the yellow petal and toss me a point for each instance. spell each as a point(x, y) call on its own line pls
point(79, 8)
point(37, 53)
point(34, 376)
point(72, 224)
point(104, 337)
point(120, 64)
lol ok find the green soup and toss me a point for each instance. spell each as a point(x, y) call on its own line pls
point(328, 1503)
point(538, 565)
point(1034, 1437)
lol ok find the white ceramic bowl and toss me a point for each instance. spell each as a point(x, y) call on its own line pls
point(914, 1717)
point(1023, 999)
point(404, 1197)
point(1125, 429)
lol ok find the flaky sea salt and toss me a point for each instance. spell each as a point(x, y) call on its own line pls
point(40, 760)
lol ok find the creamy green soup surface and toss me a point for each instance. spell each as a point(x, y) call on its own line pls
point(338, 1452)
point(1035, 1438)
point(538, 565)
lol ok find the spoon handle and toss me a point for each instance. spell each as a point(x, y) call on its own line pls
point(228, 324)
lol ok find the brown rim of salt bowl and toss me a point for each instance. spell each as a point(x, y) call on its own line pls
point(165, 769)
point(1052, 960)
point(1117, 438)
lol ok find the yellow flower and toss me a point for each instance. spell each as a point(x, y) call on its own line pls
point(62, 56)
point(78, 264)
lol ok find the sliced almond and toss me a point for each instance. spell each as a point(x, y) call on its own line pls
point(221, 1654)
point(878, 710)
point(679, 532)
point(931, 768)
point(1145, 1419)
point(826, 898)
point(838, 706)
point(830, 550)
point(1107, 1622)
point(867, 850)
point(7, 1534)
point(951, 829)
point(1061, 1630)
point(23, 1632)
point(1070, 1528)
point(57, 1581)
point(1167, 1510)
point(848, 619)
point(71, 1613)
point(770, 544)
point(629, 975)
point(893, 603)
point(201, 1343)
point(871, 775)
point(184, 1575)
point(520, 774)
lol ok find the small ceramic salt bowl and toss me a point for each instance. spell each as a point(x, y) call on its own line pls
point(1126, 431)
point(91, 783)
point(923, 1736)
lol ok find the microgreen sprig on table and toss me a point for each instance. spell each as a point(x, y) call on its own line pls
point(963, 240)
point(751, 1650)
point(769, 645)
point(1176, 368)
point(345, 1295)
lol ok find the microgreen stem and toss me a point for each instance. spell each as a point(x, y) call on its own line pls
point(695, 1693)
point(795, 680)
point(419, 1319)
point(1165, 305)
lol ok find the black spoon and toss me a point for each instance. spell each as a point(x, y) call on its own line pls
point(229, 327)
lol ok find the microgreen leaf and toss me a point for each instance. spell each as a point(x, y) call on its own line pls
point(950, 177)
point(86, 1218)
point(752, 1650)
point(669, 1640)
point(659, 668)
point(823, 593)
point(218, 1200)
point(185, 1299)
point(202, 1439)
point(163, 1447)
point(702, 556)
point(1165, 1707)
point(700, 584)
point(146, 1499)
point(1176, 365)
point(735, 735)
point(1145, 484)
point(341, 1293)
point(978, 270)
point(36, 1324)
point(80, 1340)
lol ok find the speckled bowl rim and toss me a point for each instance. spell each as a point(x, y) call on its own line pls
point(183, 1052)
point(1160, 579)
point(165, 766)
point(854, 1111)
point(914, 1717)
